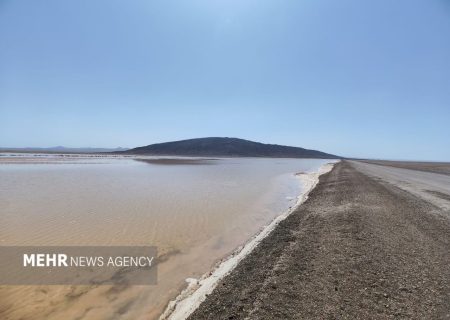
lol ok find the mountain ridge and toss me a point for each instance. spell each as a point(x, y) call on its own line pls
point(226, 147)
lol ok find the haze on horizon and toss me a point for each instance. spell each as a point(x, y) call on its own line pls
point(353, 78)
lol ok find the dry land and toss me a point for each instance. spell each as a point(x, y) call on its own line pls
point(367, 244)
point(436, 167)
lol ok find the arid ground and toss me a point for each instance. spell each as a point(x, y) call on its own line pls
point(371, 242)
point(436, 167)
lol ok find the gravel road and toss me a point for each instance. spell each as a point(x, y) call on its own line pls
point(361, 247)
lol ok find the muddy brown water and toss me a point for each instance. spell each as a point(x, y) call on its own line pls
point(195, 215)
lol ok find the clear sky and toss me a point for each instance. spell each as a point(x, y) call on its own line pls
point(350, 77)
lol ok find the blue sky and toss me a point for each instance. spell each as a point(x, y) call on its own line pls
point(350, 77)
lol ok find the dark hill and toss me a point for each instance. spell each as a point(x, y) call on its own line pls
point(226, 147)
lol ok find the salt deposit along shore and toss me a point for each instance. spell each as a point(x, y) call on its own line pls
point(370, 242)
point(197, 290)
point(196, 211)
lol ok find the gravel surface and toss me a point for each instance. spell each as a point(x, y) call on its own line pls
point(436, 167)
point(358, 248)
point(428, 186)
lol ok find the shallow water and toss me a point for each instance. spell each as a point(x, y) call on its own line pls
point(195, 213)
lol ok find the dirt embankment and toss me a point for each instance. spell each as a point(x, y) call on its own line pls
point(358, 248)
